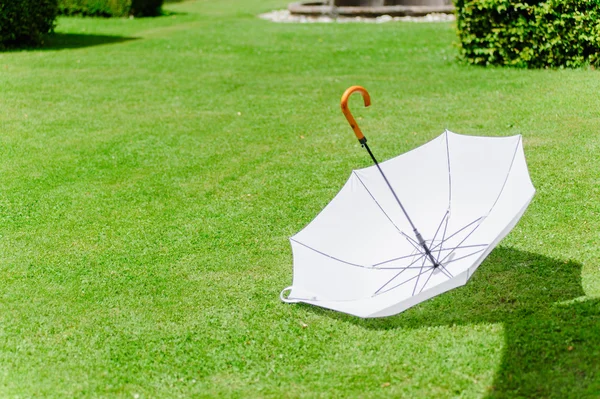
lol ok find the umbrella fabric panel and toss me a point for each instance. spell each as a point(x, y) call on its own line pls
point(394, 304)
point(512, 200)
point(391, 303)
point(353, 229)
point(479, 167)
point(323, 278)
point(420, 180)
point(472, 267)
point(516, 194)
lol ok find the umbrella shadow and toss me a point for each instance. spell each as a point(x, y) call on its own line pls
point(62, 41)
point(552, 338)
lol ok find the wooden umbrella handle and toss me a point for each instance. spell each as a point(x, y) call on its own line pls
point(344, 104)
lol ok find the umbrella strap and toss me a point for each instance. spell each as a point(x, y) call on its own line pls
point(284, 299)
point(293, 300)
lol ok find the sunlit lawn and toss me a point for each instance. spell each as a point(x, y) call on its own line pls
point(152, 171)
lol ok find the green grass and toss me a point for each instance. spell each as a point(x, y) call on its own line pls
point(152, 171)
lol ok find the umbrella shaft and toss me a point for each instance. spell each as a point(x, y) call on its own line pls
point(427, 250)
point(390, 187)
point(417, 234)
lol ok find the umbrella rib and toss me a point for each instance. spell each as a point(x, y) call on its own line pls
point(447, 215)
point(412, 241)
point(438, 229)
point(395, 259)
point(455, 248)
point(507, 175)
point(446, 272)
point(418, 247)
point(463, 247)
point(464, 239)
point(449, 174)
point(425, 285)
point(435, 235)
point(389, 281)
point(458, 231)
point(406, 267)
point(450, 261)
point(401, 267)
point(443, 239)
point(399, 273)
point(418, 276)
point(376, 202)
point(466, 256)
point(404, 282)
point(329, 256)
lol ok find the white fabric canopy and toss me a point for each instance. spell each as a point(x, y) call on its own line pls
point(360, 255)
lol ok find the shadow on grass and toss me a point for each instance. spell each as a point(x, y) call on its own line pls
point(60, 41)
point(552, 340)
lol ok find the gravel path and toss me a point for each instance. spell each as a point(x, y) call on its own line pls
point(284, 16)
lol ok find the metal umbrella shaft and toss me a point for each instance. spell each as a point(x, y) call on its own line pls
point(363, 141)
point(420, 239)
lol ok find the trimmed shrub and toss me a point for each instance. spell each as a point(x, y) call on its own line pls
point(111, 8)
point(25, 22)
point(95, 8)
point(529, 33)
point(146, 8)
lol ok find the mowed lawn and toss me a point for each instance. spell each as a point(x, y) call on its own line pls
point(152, 171)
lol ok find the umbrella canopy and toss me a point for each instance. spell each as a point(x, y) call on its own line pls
point(362, 255)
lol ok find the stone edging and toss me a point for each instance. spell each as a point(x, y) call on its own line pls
point(314, 9)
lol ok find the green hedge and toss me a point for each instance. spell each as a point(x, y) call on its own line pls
point(111, 8)
point(25, 22)
point(532, 34)
point(95, 8)
point(146, 8)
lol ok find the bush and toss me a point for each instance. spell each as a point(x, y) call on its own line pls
point(529, 33)
point(111, 8)
point(146, 8)
point(95, 8)
point(25, 22)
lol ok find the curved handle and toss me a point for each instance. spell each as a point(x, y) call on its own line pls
point(344, 104)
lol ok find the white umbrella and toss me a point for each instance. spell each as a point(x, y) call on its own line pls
point(412, 227)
